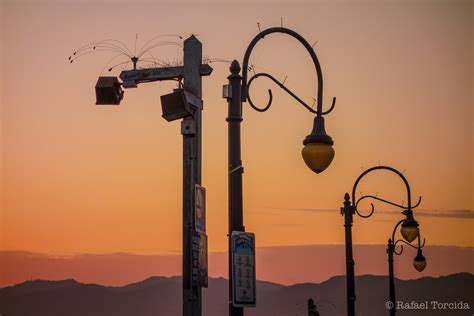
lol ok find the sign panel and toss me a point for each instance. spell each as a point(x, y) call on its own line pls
point(199, 258)
point(200, 208)
point(243, 269)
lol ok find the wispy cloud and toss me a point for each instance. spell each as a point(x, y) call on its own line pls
point(469, 214)
point(451, 214)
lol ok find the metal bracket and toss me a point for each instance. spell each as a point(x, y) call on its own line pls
point(239, 167)
point(193, 100)
point(188, 127)
point(131, 78)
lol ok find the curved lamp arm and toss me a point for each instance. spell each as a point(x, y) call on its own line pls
point(281, 85)
point(381, 200)
point(420, 246)
point(245, 69)
point(357, 201)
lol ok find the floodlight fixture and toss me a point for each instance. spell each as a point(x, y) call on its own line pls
point(179, 104)
point(108, 91)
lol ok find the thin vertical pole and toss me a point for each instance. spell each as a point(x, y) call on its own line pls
point(391, 280)
point(348, 212)
point(191, 131)
point(235, 169)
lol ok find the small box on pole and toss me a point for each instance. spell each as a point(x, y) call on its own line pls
point(108, 91)
point(179, 104)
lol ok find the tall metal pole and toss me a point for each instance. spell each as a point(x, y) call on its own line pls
point(234, 119)
point(191, 131)
point(391, 280)
point(348, 211)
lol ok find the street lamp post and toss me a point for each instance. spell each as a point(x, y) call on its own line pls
point(317, 151)
point(419, 262)
point(409, 226)
point(184, 103)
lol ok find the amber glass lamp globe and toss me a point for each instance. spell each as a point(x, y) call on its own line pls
point(419, 262)
point(318, 152)
point(409, 229)
point(318, 156)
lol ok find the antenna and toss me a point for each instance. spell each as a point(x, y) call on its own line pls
point(121, 50)
point(135, 49)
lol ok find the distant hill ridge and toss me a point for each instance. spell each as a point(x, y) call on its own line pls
point(162, 296)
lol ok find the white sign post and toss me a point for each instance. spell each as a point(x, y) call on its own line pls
point(243, 270)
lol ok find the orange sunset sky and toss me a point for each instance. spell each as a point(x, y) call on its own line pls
point(77, 178)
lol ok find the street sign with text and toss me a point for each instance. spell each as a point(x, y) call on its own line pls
point(199, 258)
point(243, 269)
point(200, 208)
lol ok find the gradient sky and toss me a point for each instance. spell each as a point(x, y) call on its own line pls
point(81, 178)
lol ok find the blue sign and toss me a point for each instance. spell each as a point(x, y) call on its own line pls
point(243, 269)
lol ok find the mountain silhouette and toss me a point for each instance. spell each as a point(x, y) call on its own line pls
point(162, 296)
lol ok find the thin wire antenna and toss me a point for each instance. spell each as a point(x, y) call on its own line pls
point(109, 61)
point(112, 48)
point(135, 49)
point(286, 77)
point(316, 42)
point(158, 45)
point(403, 172)
point(253, 69)
point(119, 64)
point(104, 45)
point(87, 53)
point(157, 37)
point(314, 102)
point(281, 21)
point(119, 42)
point(125, 64)
point(93, 47)
point(122, 50)
point(111, 42)
point(258, 25)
